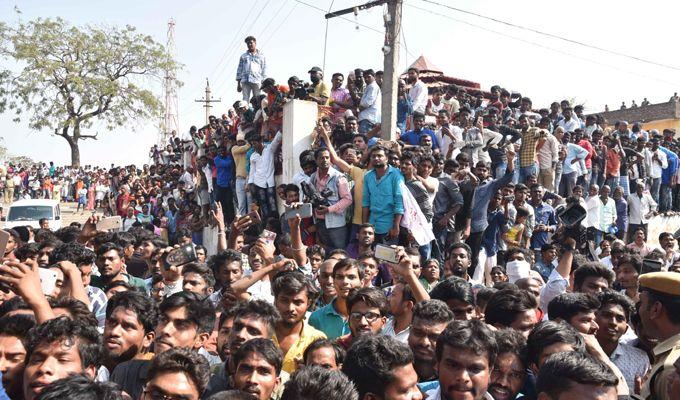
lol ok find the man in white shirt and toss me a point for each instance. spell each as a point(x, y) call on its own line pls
point(547, 153)
point(606, 210)
point(448, 133)
point(418, 92)
point(370, 104)
point(641, 207)
point(655, 160)
point(261, 177)
point(569, 123)
point(188, 179)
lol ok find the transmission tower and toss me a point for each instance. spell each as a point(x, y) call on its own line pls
point(171, 115)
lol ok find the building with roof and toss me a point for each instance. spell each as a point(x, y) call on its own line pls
point(658, 116)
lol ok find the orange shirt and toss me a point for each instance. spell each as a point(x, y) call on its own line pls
point(613, 163)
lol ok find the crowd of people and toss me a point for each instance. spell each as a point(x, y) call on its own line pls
point(492, 251)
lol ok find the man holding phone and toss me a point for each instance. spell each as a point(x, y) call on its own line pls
point(330, 220)
point(382, 201)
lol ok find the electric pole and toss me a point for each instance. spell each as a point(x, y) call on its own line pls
point(391, 60)
point(207, 101)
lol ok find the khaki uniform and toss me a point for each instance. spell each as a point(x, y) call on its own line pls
point(665, 354)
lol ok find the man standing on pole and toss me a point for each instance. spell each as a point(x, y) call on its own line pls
point(251, 70)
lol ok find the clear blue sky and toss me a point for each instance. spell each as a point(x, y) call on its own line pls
point(209, 37)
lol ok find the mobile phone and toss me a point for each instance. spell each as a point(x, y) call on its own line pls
point(181, 255)
point(305, 211)
point(48, 280)
point(386, 253)
point(4, 239)
point(110, 223)
point(268, 236)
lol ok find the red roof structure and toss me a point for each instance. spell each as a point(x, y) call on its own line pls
point(434, 77)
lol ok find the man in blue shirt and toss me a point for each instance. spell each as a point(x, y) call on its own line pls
point(667, 176)
point(224, 163)
point(252, 69)
point(382, 197)
point(544, 215)
point(480, 202)
point(413, 137)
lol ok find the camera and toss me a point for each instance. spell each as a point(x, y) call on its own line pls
point(302, 90)
point(317, 198)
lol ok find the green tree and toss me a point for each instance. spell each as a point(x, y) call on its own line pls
point(65, 79)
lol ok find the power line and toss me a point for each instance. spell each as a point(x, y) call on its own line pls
point(281, 24)
point(325, 37)
point(543, 46)
point(616, 53)
point(381, 32)
point(283, 4)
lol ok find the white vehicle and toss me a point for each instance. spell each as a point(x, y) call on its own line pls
point(31, 211)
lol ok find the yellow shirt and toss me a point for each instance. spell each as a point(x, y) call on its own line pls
point(294, 355)
point(322, 89)
point(239, 153)
point(357, 175)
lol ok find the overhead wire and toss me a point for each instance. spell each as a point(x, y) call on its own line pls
point(224, 78)
point(381, 32)
point(592, 61)
point(554, 36)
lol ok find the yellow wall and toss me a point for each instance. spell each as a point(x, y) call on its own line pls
point(662, 124)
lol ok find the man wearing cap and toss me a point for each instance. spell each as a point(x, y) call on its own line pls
point(659, 311)
point(252, 68)
point(321, 92)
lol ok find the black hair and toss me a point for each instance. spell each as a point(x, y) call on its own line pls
point(140, 304)
point(65, 329)
point(483, 295)
point(108, 246)
point(316, 249)
point(313, 382)
point(372, 297)
point(263, 347)
point(433, 311)
point(592, 269)
point(567, 305)
point(472, 335)
point(124, 239)
point(73, 252)
point(505, 305)
point(185, 361)
point(81, 387)
point(16, 326)
point(458, 245)
point(68, 234)
point(77, 310)
point(199, 311)
point(611, 297)
point(202, 270)
point(292, 282)
point(231, 395)
point(216, 261)
point(118, 284)
point(514, 250)
point(634, 259)
point(348, 263)
point(512, 341)
point(26, 251)
point(371, 361)
point(321, 343)
point(259, 309)
point(548, 333)
point(561, 370)
point(453, 288)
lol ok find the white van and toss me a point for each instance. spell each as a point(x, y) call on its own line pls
point(31, 211)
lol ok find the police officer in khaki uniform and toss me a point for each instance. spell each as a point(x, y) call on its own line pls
point(660, 316)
